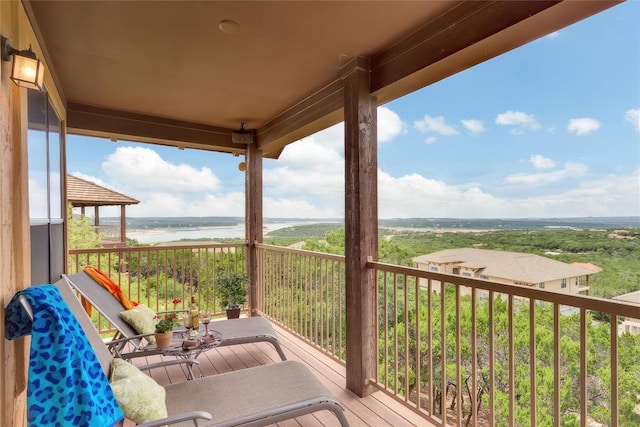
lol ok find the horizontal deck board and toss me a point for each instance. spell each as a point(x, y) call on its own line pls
point(375, 410)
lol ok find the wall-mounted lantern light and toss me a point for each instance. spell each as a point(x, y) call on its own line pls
point(27, 70)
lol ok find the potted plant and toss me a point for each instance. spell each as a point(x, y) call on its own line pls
point(231, 291)
point(164, 330)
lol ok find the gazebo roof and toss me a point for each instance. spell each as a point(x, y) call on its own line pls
point(81, 192)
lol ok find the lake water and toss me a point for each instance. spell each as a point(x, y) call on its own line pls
point(158, 235)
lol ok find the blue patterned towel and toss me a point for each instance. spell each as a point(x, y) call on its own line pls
point(66, 386)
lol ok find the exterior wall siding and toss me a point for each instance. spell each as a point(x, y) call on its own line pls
point(14, 207)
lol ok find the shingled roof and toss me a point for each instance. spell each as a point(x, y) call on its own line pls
point(81, 192)
point(520, 267)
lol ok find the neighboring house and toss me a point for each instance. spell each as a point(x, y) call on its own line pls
point(629, 324)
point(509, 267)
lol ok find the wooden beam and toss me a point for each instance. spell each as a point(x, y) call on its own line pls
point(313, 114)
point(466, 35)
point(253, 221)
point(361, 225)
point(115, 124)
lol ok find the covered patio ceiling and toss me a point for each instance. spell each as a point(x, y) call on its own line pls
point(164, 72)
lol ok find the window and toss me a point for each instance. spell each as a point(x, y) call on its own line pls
point(46, 207)
point(564, 283)
point(484, 277)
point(541, 285)
point(466, 274)
point(433, 268)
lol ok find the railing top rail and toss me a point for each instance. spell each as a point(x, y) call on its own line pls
point(160, 248)
point(333, 257)
point(619, 308)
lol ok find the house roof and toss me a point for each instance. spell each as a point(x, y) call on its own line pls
point(630, 297)
point(81, 192)
point(163, 71)
point(519, 267)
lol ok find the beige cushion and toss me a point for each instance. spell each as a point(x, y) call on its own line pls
point(139, 396)
point(142, 319)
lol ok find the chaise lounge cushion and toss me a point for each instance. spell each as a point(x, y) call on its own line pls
point(139, 396)
point(142, 319)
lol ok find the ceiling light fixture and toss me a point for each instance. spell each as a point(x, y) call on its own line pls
point(27, 70)
point(242, 135)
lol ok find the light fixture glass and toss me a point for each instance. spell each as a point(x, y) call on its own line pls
point(27, 70)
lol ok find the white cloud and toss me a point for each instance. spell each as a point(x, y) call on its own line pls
point(417, 196)
point(140, 168)
point(583, 125)
point(519, 120)
point(570, 170)
point(436, 125)
point(431, 140)
point(540, 162)
point(473, 126)
point(633, 117)
point(308, 178)
point(390, 125)
point(291, 208)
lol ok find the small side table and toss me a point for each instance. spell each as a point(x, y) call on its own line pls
point(180, 334)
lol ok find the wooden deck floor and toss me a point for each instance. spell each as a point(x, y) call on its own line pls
point(376, 410)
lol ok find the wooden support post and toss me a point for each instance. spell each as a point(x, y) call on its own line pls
point(361, 224)
point(123, 224)
point(253, 220)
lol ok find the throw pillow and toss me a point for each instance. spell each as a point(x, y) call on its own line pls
point(142, 319)
point(139, 396)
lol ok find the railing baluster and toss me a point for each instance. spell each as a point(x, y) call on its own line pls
point(474, 359)
point(556, 362)
point(395, 335)
point(430, 343)
point(492, 363)
point(405, 331)
point(583, 367)
point(512, 366)
point(532, 360)
point(443, 352)
point(613, 356)
point(418, 356)
point(458, 361)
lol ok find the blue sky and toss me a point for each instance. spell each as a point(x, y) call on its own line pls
point(548, 130)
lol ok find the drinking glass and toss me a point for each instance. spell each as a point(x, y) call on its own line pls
point(205, 317)
point(186, 321)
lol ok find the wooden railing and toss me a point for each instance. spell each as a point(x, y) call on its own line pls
point(304, 292)
point(158, 275)
point(470, 352)
point(458, 350)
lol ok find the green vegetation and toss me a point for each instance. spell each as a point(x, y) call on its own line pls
point(619, 258)
point(81, 234)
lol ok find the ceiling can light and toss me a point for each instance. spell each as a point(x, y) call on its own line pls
point(27, 70)
point(229, 27)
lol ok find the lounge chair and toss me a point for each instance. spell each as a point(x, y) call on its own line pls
point(235, 331)
point(256, 396)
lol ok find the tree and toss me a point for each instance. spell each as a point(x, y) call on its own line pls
point(80, 233)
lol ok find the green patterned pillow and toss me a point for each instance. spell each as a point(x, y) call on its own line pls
point(142, 319)
point(139, 396)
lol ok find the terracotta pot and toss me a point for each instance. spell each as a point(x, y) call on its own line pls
point(163, 339)
point(233, 313)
